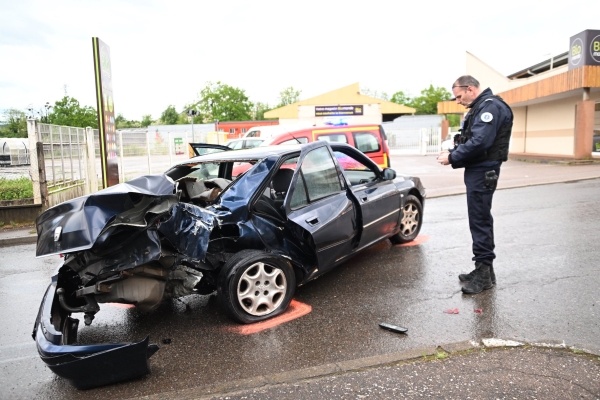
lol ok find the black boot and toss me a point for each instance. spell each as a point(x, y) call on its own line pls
point(469, 276)
point(481, 279)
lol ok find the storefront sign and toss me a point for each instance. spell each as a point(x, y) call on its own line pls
point(584, 49)
point(333, 111)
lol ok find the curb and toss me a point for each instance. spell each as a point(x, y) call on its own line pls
point(338, 368)
point(558, 161)
point(15, 241)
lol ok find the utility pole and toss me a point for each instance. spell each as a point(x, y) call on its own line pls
point(192, 113)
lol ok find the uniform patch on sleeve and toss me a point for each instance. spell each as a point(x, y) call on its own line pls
point(487, 117)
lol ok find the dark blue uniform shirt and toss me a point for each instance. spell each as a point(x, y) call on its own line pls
point(485, 120)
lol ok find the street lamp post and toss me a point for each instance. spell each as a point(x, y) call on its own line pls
point(47, 106)
point(192, 113)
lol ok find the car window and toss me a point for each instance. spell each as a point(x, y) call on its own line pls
point(235, 145)
point(253, 143)
point(334, 137)
point(356, 172)
point(318, 178)
point(366, 142)
point(204, 171)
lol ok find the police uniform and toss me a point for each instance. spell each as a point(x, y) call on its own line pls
point(481, 149)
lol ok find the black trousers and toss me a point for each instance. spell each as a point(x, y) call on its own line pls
point(479, 205)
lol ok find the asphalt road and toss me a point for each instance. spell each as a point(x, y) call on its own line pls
point(547, 273)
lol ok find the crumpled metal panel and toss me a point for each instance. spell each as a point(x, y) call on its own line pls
point(83, 219)
point(188, 229)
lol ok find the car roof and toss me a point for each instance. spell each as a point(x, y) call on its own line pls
point(254, 153)
point(257, 153)
point(244, 138)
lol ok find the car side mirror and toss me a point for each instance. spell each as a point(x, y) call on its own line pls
point(389, 174)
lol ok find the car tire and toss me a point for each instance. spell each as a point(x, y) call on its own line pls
point(254, 285)
point(412, 219)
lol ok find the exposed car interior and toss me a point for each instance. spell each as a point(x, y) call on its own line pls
point(270, 203)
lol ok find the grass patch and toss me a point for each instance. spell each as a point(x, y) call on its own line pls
point(14, 189)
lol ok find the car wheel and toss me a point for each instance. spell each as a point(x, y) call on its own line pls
point(254, 286)
point(412, 219)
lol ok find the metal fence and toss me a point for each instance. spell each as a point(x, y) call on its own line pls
point(64, 155)
point(142, 152)
point(414, 141)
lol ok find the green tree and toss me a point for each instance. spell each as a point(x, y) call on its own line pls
point(218, 101)
point(453, 119)
point(184, 119)
point(146, 120)
point(68, 112)
point(401, 98)
point(15, 124)
point(170, 116)
point(259, 110)
point(374, 93)
point(288, 96)
point(122, 123)
point(426, 103)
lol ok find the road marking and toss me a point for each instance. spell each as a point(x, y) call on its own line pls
point(295, 310)
point(418, 240)
point(120, 305)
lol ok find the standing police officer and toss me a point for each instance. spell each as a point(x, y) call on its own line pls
point(481, 148)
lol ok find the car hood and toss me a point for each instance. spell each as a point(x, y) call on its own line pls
point(78, 224)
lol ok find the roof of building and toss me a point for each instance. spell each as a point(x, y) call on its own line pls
point(346, 95)
point(543, 66)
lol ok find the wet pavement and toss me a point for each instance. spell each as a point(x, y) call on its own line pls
point(547, 274)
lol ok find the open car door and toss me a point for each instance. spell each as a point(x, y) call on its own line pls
point(318, 203)
point(200, 149)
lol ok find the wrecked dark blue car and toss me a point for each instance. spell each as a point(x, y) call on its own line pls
point(251, 225)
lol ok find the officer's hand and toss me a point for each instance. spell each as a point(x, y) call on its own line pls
point(443, 157)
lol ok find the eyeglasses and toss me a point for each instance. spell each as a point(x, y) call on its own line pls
point(459, 86)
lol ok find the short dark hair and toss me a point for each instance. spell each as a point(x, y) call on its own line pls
point(466, 80)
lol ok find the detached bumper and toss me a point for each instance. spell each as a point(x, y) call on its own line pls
point(86, 366)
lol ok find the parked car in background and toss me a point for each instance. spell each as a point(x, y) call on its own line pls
point(448, 143)
point(268, 131)
point(370, 139)
point(244, 143)
point(297, 213)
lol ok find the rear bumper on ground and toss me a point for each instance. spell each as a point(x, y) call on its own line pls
point(86, 366)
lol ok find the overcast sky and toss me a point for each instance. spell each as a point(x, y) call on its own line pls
point(164, 52)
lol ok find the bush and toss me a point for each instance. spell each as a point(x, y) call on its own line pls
point(12, 189)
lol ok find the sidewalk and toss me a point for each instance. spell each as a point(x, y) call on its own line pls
point(17, 236)
point(494, 369)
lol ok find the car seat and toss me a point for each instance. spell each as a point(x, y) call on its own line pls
point(272, 206)
point(281, 183)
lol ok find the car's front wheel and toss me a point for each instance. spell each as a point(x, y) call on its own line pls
point(412, 219)
point(254, 286)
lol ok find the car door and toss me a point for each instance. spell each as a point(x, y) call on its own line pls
point(200, 149)
point(378, 198)
point(319, 204)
